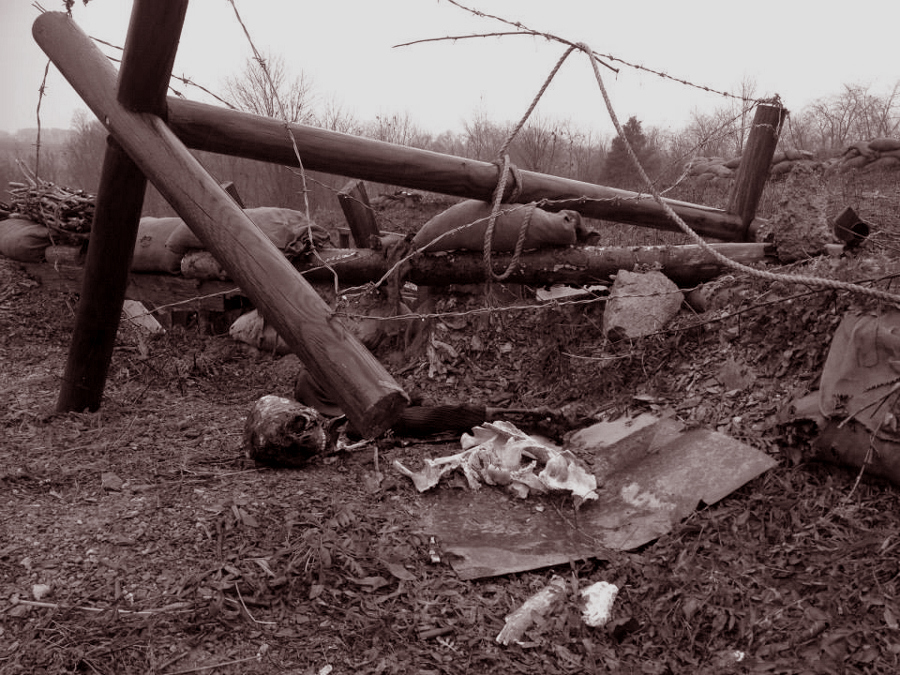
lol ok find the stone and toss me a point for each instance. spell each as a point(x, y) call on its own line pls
point(640, 303)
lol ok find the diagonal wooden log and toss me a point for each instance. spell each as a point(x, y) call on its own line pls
point(365, 390)
point(206, 127)
point(150, 48)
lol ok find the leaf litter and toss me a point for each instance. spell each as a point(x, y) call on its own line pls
point(200, 559)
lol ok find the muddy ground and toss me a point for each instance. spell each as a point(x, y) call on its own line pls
point(139, 539)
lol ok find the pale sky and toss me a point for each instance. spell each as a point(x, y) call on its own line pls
point(801, 50)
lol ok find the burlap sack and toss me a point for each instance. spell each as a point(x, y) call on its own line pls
point(462, 227)
point(281, 226)
point(882, 163)
point(856, 162)
point(150, 252)
point(862, 367)
point(884, 144)
point(23, 240)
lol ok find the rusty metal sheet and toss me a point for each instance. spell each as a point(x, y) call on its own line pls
point(649, 479)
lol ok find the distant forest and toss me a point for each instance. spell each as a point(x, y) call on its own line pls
point(73, 157)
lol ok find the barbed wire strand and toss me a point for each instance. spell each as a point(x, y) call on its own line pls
point(696, 238)
point(600, 57)
point(42, 90)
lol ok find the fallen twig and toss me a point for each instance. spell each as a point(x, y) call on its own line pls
point(177, 606)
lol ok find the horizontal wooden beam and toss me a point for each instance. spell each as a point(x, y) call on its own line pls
point(685, 265)
point(214, 129)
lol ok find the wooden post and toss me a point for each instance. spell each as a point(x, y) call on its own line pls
point(206, 127)
point(359, 214)
point(353, 377)
point(150, 47)
point(232, 191)
point(153, 34)
point(756, 161)
point(110, 248)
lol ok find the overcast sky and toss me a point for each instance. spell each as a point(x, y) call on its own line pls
point(799, 49)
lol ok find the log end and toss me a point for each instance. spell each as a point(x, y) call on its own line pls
point(382, 415)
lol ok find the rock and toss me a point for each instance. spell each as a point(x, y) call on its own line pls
point(800, 226)
point(110, 481)
point(640, 303)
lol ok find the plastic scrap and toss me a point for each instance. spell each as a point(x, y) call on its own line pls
point(498, 453)
point(542, 603)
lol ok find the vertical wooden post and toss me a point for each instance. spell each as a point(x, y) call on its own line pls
point(153, 35)
point(154, 31)
point(110, 248)
point(355, 204)
point(756, 162)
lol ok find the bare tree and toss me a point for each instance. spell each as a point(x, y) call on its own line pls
point(539, 145)
point(84, 152)
point(483, 138)
point(398, 128)
point(854, 114)
point(262, 86)
point(335, 117)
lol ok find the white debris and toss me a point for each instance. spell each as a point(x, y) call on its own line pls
point(598, 602)
point(498, 453)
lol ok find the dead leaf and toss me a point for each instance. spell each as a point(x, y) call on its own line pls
point(247, 519)
point(399, 571)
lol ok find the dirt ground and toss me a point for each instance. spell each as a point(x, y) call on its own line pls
point(139, 539)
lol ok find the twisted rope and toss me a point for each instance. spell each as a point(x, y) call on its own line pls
point(505, 167)
point(697, 239)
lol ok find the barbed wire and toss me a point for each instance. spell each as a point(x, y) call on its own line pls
point(525, 30)
point(37, 143)
point(696, 238)
point(181, 78)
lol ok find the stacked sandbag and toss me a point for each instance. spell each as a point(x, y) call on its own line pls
point(150, 251)
point(283, 227)
point(877, 154)
point(705, 169)
point(784, 161)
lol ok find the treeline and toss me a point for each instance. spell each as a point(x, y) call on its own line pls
point(551, 146)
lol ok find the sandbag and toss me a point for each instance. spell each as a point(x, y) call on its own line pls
point(463, 226)
point(281, 226)
point(857, 403)
point(883, 162)
point(202, 265)
point(781, 167)
point(71, 256)
point(795, 155)
point(23, 239)
point(884, 144)
point(252, 329)
point(150, 252)
point(856, 162)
